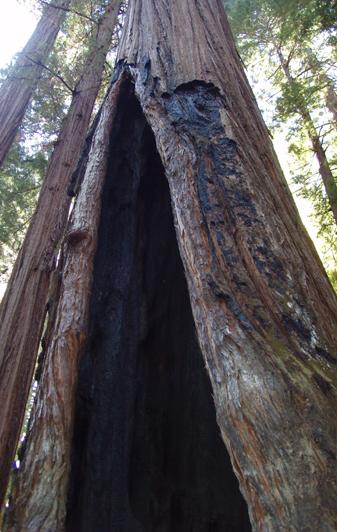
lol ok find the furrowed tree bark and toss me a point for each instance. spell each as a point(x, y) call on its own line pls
point(264, 309)
point(16, 91)
point(23, 307)
point(328, 180)
point(40, 485)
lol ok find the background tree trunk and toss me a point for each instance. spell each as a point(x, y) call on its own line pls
point(327, 83)
point(324, 169)
point(17, 89)
point(23, 307)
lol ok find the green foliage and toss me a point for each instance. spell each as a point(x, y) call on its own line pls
point(293, 43)
point(21, 177)
point(20, 180)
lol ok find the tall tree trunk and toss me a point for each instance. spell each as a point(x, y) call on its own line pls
point(16, 91)
point(325, 172)
point(263, 307)
point(23, 307)
point(40, 488)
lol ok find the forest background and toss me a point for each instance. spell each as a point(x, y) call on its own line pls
point(289, 51)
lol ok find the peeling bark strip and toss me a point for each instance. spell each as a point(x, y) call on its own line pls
point(17, 89)
point(23, 307)
point(40, 485)
point(263, 307)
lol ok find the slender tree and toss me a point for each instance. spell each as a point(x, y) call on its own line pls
point(24, 305)
point(16, 91)
point(326, 82)
point(264, 310)
point(328, 179)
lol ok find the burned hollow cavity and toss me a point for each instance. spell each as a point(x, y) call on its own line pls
point(147, 451)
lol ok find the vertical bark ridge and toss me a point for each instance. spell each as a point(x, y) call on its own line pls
point(22, 309)
point(40, 485)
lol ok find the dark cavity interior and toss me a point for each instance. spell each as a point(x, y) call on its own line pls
point(147, 452)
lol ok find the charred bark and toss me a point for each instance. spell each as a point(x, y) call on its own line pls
point(17, 89)
point(147, 453)
point(264, 310)
point(23, 307)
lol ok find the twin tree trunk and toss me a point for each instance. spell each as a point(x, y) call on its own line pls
point(23, 308)
point(263, 309)
point(16, 91)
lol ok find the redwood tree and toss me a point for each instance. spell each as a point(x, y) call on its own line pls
point(16, 91)
point(263, 309)
point(24, 306)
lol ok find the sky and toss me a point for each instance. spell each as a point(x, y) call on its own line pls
point(17, 23)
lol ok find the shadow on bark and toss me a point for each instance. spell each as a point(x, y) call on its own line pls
point(147, 451)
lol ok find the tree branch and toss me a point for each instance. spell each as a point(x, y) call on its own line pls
point(43, 2)
point(54, 74)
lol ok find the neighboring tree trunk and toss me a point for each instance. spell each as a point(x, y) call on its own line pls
point(264, 310)
point(41, 487)
point(23, 307)
point(331, 101)
point(16, 91)
point(328, 84)
point(325, 172)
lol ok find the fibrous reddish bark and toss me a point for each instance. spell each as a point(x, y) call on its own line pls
point(16, 91)
point(40, 489)
point(23, 307)
point(263, 307)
